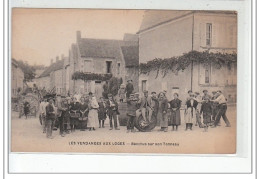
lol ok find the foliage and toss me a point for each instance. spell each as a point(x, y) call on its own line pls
point(91, 76)
point(28, 70)
point(176, 64)
point(112, 86)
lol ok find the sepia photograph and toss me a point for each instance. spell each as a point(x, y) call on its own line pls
point(123, 81)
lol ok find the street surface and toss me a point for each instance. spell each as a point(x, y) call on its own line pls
point(27, 136)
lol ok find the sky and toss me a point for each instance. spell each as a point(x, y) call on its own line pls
point(39, 35)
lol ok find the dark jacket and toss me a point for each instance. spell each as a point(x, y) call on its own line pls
point(75, 106)
point(175, 103)
point(206, 108)
point(163, 105)
point(111, 109)
point(50, 115)
point(131, 107)
point(195, 104)
point(129, 87)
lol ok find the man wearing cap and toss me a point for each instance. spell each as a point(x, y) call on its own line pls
point(129, 88)
point(214, 105)
point(50, 117)
point(222, 109)
point(206, 95)
point(60, 113)
point(112, 110)
point(131, 112)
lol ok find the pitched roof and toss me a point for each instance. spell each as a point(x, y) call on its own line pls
point(100, 48)
point(53, 67)
point(130, 37)
point(131, 55)
point(153, 18)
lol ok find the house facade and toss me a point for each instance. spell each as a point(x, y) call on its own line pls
point(52, 77)
point(99, 57)
point(17, 78)
point(166, 34)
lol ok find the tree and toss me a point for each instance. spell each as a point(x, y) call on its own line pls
point(112, 86)
point(29, 71)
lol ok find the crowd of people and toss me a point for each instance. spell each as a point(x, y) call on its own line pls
point(86, 112)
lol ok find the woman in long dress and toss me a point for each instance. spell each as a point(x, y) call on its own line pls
point(175, 105)
point(162, 112)
point(190, 112)
point(93, 113)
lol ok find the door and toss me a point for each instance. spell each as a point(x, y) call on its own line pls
point(98, 89)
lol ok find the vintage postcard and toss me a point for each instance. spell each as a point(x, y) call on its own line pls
point(123, 81)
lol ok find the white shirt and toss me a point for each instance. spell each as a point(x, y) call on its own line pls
point(221, 99)
point(43, 107)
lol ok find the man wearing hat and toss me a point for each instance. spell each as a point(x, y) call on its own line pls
point(60, 113)
point(129, 88)
point(214, 106)
point(222, 109)
point(50, 117)
point(206, 95)
point(112, 111)
point(131, 112)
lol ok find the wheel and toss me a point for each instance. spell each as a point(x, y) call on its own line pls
point(145, 126)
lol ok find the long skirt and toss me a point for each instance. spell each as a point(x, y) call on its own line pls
point(176, 118)
point(190, 116)
point(163, 119)
point(93, 118)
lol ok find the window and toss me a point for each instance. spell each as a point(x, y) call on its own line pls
point(207, 75)
point(108, 65)
point(208, 34)
point(118, 68)
point(144, 83)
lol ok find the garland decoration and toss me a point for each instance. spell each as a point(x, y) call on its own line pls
point(90, 76)
point(176, 64)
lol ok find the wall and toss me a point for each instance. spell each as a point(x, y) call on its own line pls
point(172, 39)
point(58, 81)
point(44, 82)
point(132, 74)
point(175, 38)
point(224, 32)
point(17, 79)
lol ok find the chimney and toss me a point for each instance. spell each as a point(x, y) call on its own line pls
point(78, 35)
point(57, 58)
point(51, 61)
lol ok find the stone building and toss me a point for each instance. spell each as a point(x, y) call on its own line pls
point(102, 57)
point(52, 77)
point(165, 34)
point(17, 76)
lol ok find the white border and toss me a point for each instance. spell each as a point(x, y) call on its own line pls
point(239, 163)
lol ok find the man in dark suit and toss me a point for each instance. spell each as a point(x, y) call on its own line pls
point(129, 88)
point(112, 111)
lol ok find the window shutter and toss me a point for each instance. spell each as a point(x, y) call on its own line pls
point(214, 36)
